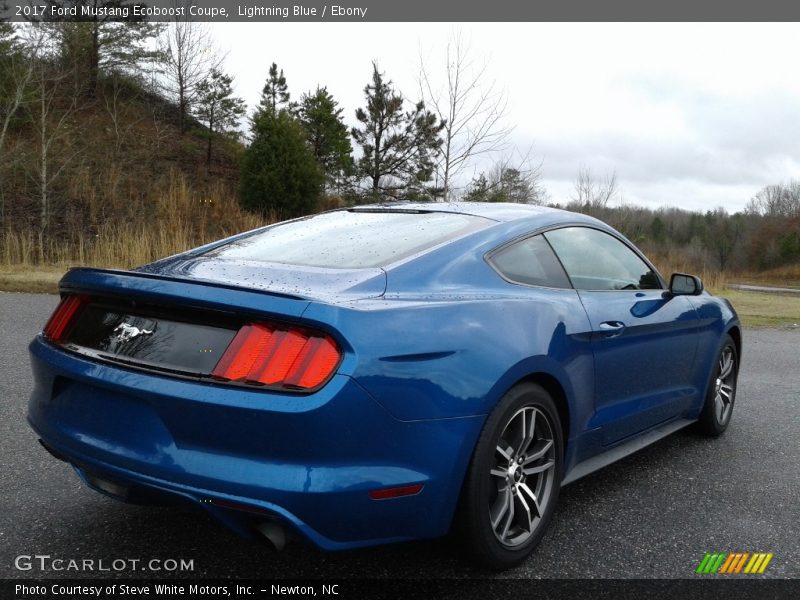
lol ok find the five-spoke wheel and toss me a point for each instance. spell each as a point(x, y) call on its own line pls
point(721, 395)
point(523, 474)
point(724, 385)
point(514, 478)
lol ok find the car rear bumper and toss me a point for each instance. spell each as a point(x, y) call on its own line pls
point(308, 461)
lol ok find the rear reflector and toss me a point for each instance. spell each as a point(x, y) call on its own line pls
point(62, 317)
point(277, 356)
point(397, 492)
point(236, 506)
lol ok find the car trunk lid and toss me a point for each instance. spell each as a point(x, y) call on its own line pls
point(171, 324)
point(312, 283)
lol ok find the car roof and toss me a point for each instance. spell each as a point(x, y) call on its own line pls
point(496, 211)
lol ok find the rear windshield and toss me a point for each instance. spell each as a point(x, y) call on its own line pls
point(351, 239)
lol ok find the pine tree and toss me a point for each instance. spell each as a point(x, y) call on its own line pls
point(8, 47)
point(280, 176)
point(398, 148)
point(217, 107)
point(103, 43)
point(479, 190)
point(513, 187)
point(7, 41)
point(658, 231)
point(507, 183)
point(275, 91)
point(327, 134)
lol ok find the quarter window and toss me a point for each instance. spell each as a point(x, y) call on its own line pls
point(596, 260)
point(531, 262)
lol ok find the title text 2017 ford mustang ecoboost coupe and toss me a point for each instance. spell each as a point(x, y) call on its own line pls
point(381, 373)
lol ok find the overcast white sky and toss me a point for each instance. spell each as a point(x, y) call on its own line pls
point(690, 115)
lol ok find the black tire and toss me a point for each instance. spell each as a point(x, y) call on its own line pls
point(505, 473)
point(721, 393)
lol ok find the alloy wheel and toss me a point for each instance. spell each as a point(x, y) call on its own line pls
point(522, 476)
point(724, 385)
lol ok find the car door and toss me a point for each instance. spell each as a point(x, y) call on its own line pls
point(643, 340)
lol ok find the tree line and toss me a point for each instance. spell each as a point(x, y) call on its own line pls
point(763, 236)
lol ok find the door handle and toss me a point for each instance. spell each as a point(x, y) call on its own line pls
point(612, 328)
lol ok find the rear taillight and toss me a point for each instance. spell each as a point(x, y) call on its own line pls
point(278, 356)
point(62, 317)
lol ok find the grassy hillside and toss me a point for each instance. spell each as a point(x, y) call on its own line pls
point(124, 184)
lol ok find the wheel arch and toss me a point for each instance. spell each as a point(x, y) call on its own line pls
point(553, 387)
point(736, 334)
point(467, 506)
point(558, 390)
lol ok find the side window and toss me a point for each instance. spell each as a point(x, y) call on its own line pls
point(532, 262)
point(596, 260)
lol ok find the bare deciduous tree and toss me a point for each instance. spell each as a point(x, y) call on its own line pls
point(470, 105)
point(724, 232)
point(15, 74)
point(17, 71)
point(592, 192)
point(50, 113)
point(777, 200)
point(121, 114)
point(189, 57)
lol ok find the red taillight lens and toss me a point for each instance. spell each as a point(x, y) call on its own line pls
point(262, 354)
point(63, 316)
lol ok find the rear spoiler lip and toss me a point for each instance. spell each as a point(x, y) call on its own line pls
point(184, 291)
point(67, 285)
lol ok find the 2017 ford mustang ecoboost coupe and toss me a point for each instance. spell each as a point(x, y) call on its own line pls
point(380, 373)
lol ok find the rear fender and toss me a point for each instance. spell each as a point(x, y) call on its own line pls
point(434, 358)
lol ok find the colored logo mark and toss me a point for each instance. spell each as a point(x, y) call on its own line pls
point(734, 562)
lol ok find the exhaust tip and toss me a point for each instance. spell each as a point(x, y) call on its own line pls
point(273, 533)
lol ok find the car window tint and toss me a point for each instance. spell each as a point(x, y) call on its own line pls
point(596, 260)
point(532, 262)
point(351, 239)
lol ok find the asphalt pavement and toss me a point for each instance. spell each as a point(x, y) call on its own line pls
point(653, 515)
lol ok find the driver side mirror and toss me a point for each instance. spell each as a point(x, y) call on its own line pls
point(682, 284)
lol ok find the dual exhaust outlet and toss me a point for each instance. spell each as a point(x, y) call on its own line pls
point(273, 533)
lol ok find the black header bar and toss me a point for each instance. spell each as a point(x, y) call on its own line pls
point(266, 11)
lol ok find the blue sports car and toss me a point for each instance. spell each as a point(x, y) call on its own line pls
point(381, 373)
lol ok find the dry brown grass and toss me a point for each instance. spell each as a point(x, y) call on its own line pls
point(713, 279)
point(177, 218)
point(787, 276)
